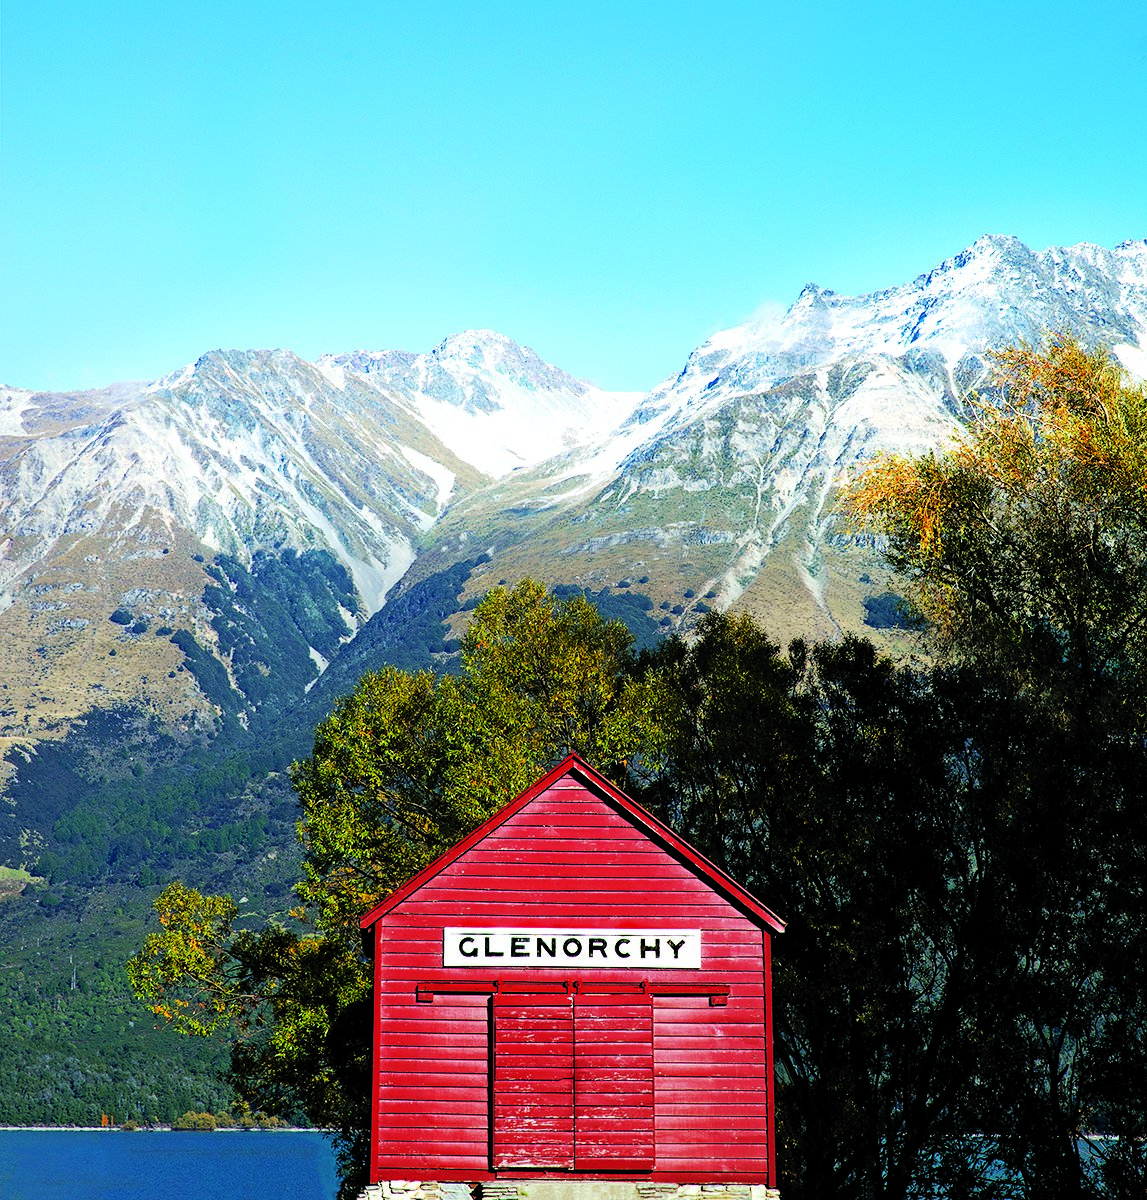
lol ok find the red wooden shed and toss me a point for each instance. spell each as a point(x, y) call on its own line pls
point(572, 991)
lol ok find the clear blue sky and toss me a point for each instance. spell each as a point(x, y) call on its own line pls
point(606, 182)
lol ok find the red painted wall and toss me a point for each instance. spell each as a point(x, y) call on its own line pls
point(608, 1073)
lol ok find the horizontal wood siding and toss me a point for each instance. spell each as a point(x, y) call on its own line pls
point(568, 859)
point(710, 1095)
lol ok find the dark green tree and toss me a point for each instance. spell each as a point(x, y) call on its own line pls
point(827, 779)
point(1025, 546)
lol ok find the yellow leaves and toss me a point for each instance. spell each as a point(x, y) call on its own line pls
point(1065, 379)
point(1066, 418)
point(1082, 410)
point(894, 491)
point(185, 967)
point(1030, 521)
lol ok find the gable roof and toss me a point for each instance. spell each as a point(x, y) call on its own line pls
point(645, 821)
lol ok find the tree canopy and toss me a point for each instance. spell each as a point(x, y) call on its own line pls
point(1025, 547)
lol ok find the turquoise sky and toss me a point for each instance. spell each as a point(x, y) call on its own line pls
point(607, 183)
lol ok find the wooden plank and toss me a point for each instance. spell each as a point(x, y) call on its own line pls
point(680, 1168)
point(421, 1153)
point(749, 1126)
point(444, 1075)
point(409, 1061)
point(685, 1089)
point(531, 912)
point(402, 1091)
point(402, 1038)
point(602, 863)
point(609, 844)
point(435, 1061)
point(433, 1051)
point(719, 1137)
point(603, 1033)
point(619, 881)
point(502, 896)
point(398, 1166)
point(452, 1112)
point(398, 1004)
point(563, 826)
point(423, 1031)
point(671, 1110)
point(668, 1046)
point(720, 1058)
point(460, 1125)
point(597, 864)
point(670, 1032)
point(531, 1073)
point(695, 1013)
point(500, 908)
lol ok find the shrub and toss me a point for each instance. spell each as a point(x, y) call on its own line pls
point(888, 611)
point(194, 1122)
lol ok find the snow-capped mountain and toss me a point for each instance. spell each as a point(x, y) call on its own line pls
point(723, 476)
point(265, 505)
point(119, 500)
point(995, 293)
point(242, 450)
point(494, 403)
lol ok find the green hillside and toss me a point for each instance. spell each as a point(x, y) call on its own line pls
point(101, 820)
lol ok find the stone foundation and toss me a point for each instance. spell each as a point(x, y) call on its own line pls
point(564, 1189)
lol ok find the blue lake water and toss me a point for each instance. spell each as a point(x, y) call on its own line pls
point(53, 1164)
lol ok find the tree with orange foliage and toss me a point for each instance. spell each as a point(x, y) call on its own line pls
point(1025, 542)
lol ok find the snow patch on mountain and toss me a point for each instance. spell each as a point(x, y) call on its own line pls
point(444, 478)
point(14, 402)
point(496, 404)
point(246, 450)
point(997, 291)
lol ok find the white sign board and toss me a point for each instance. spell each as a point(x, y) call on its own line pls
point(627, 949)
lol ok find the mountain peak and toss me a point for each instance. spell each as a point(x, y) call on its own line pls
point(496, 403)
point(997, 243)
point(470, 341)
point(485, 352)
